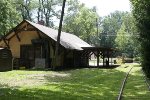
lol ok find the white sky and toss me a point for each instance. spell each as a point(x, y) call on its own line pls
point(105, 7)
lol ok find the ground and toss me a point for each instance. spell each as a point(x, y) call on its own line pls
point(79, 84)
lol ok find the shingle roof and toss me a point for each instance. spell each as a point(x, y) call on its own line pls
point(67, 40)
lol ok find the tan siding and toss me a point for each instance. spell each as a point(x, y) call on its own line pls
point(2, 44)
point(25, 37)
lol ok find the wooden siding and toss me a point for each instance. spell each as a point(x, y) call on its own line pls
point(25, 37)
point(26, 32)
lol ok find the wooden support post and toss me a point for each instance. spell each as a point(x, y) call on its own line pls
point(108, 58)
point(98, 61)
point(6, 43)
point(103, 59)
point(16, 33)
point(111, 59)
point(97, 58)
point(64, 60)
point(73, 58)
point(47, 47)
point(88, 58)
point(88, 62)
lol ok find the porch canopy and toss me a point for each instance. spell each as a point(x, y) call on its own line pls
point(103, 52)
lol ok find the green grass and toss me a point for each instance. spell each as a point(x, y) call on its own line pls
point(79, 84)
point(136, 87)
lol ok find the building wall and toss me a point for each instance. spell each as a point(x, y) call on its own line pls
point(25, 37)
point(68, 59)
point(60, 60)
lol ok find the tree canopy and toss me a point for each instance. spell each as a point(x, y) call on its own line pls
point(81, 21)
point(141, 14)
point(9, 16)
point(117, 30)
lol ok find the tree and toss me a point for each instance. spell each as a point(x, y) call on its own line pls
point(110, 26)
point(59, 33)
point(25, 7)
point(47, 11)
point(9, 16)
point(141, 13)
point(39, 10)
point(127, 35)
point(81, 21)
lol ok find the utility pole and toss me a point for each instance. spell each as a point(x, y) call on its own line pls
point(97, 31)
point(59, 34)
point(97, 25)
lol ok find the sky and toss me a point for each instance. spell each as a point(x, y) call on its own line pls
point(105, 7)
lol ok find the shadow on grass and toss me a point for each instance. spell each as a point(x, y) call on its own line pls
point(34, 94)
point(73, 68)
point(136, 88)
point(92, 84)
point(80, 84)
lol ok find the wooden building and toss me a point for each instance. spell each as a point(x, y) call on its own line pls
point(5, 59)
point(33, 45)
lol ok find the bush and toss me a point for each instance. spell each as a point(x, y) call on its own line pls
point(137, 59)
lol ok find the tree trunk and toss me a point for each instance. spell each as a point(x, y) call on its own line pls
point(59, 34)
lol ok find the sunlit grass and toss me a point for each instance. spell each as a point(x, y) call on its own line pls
point(79, 84)
point(136, 87)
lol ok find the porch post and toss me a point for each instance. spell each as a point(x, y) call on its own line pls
point(74, 65)
point(97, 58)
point(108, 57)
point(103, 59)
point(111, 58)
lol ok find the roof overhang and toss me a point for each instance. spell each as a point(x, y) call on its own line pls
point(98, 49)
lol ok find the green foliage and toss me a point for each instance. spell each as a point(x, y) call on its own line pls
point(141, 13)
point(116, 30)
point(110, 26)
point(127, 36)
point(81, 21)
point(119, 31)
point(39, 10)
point(9, 16)
point(25, 7)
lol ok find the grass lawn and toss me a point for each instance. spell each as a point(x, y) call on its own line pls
point(79, 84)
point(136, 87)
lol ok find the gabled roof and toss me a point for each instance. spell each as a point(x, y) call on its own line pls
point(67, 40)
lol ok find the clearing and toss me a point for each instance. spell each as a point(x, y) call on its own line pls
point(79, 84)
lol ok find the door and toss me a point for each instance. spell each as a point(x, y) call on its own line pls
point(27, 56)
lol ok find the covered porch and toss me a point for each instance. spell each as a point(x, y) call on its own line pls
point(99, 52)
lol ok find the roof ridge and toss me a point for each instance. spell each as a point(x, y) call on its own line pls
point(68, 40)
point(51, 28)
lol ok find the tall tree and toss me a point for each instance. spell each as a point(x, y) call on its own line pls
point(110, 26)
point(141, 13)
point(39, 10)
point(25, 7)
point(81, 21)
point(127, 35)
point(47, 10)
point(9, 16)
point(59, 33)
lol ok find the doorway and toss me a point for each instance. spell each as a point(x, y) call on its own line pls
point(26, 56)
